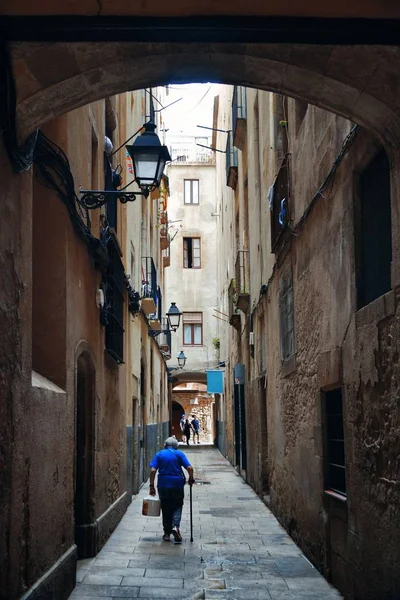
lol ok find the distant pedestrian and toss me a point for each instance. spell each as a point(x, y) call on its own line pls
point(170, 484)
point(196, 428)
point(186, 430)
point(182, 425)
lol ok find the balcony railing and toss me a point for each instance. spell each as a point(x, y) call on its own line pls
point(231, 163)
point(234, 315)
point(242, 273)
point(239, 116)
point(164, 339)
point(149, 295)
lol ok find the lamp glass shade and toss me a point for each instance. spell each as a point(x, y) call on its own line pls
point(149, 158)
point(174, 316)
point(181, 359)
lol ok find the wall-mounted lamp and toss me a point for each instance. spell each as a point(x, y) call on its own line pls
point(173, 317)
point(149, 158)
point(181, 359)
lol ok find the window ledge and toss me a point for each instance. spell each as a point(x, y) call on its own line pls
point(335, 495)
point(288, 366)
point(375, 311)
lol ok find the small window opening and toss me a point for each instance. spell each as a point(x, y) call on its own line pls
point(335, 470)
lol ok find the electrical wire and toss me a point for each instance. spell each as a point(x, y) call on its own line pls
point(330, 179)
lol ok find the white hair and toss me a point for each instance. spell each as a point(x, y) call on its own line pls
point(171, 442)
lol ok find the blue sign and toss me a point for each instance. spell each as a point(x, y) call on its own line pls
point(239, 374)
point(215, 382)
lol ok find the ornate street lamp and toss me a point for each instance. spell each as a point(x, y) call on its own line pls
point(173, 317)
point(149, 158)
point(181, 359)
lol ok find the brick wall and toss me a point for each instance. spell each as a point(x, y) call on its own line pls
point(203, 411)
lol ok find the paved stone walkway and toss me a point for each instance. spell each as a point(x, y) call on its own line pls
point(239, 552)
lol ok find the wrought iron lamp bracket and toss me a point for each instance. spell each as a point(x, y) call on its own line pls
point(91, 199)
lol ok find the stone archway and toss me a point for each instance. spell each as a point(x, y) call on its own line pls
point(360, 83)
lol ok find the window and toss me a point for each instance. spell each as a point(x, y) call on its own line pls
point(279, 203)
point(192, 329)
point(373, 231)
point(335, 471)
point(286, 315)
point(191, 191)
point(191, 253)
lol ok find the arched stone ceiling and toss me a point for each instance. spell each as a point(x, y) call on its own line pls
point(303, 8)
point(182, 376)
point(361, 83)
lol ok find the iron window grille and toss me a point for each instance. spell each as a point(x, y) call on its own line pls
point(242, 278)
point(335, 466)
point(114, 286)
point(149, 279)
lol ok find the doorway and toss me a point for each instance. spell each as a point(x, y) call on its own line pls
point(85, 533)
point(177, 412)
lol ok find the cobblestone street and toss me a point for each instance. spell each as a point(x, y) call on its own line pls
point(239, 550)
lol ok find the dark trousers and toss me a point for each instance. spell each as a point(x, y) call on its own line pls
point(171, 506)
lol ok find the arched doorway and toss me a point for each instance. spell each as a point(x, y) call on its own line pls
point(85, 533)
point(177, 412)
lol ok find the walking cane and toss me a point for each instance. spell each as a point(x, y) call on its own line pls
point(191, 514)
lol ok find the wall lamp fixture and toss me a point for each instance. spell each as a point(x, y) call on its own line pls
point(181, 359)
point(149, 158)
point(173, 321)
point(173, 317)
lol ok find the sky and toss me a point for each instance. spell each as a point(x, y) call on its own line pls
point(195, 107)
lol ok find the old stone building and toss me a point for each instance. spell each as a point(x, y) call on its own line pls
point(343, 57)
point(94, 405)
point(191, 278)
point(309, 221)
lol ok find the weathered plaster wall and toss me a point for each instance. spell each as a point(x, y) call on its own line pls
point(335, 345)
point(193, 290)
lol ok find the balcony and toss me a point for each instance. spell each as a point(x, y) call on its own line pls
point(149, 296)
point(242, 273)
point(231, 163)
point(156, 318)
point(164, 339)
point(234, 315)
point(239, 116)
point(164, 237)
point(166, 257)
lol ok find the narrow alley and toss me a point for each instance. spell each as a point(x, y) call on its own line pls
point(239, 551)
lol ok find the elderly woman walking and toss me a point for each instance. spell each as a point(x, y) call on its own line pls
point(171, 480)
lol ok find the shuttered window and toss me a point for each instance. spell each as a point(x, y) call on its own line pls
point(286, 310)
point(192, 329)
point(191, 191)
point(191, 253)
